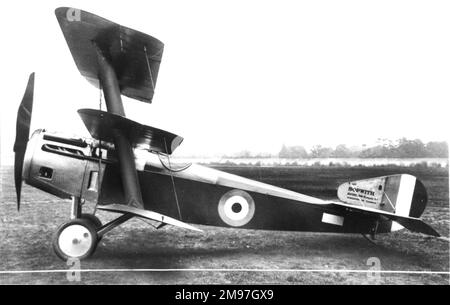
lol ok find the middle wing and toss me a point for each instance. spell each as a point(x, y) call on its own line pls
point(101, 124)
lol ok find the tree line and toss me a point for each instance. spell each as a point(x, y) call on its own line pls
point(402, 148)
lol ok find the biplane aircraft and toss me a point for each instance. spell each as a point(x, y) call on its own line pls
point(125, 168)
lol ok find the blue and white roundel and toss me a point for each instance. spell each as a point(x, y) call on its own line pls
point(236, 208)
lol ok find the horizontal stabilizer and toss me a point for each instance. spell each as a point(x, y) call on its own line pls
point(135, 56)
point(120, 208)
point(101, 125)
point(410, 223)
point(417, 225)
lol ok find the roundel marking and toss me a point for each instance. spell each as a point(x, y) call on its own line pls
point(236, 208)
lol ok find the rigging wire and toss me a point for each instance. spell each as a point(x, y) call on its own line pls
point(149, 69)
point(389, 200)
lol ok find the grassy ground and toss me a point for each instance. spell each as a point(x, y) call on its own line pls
point(25, 241)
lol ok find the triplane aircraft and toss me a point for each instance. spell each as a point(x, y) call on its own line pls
point(125, 166)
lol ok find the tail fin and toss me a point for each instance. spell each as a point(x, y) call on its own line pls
point(402, 195)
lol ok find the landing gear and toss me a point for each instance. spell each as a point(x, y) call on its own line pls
point(75, 239)
point(79, 237)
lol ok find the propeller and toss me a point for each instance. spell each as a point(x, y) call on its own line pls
point(22, 134)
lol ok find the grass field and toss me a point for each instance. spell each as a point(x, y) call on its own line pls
point(26, 240)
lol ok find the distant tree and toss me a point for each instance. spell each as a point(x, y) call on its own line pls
point(293, 152)
point(342, 151)
point(410, 149)
point(387, 143)
point(378, 151)
point(437, 149)
point(404, 148)
point(244, 154)
point(263, 155)
point(284, 152)
point(326, 152)
point(386, 148)
point(318, 151)
point(299, 152)
point(315, 151)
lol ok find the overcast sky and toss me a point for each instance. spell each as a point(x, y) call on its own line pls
point(249, 75)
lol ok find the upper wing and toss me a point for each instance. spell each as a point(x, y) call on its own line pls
point(135, 56)
point(101, 124)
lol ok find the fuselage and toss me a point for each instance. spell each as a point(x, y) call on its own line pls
point(88, 169)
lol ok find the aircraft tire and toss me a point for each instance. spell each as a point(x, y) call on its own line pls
point(76, 239)
point(93, 219)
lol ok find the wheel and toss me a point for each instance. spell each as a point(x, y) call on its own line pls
point(93, 219)
point(75, 239)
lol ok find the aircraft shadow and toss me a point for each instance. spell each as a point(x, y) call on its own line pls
point(143, 251)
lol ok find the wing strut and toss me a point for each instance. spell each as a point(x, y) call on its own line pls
point(100, 152)
point(111, 90)
point(173, 182)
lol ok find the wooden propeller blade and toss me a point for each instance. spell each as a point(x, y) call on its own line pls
point(22, 134)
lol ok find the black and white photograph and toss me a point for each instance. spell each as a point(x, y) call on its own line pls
point(225, 143)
